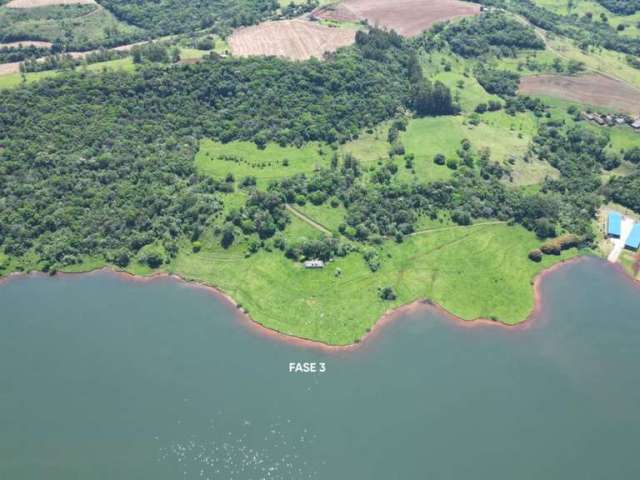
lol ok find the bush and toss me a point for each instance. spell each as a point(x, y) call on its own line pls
point(196, 246)
point(387, 293)
point(152, 256)
point(439, 159)
point(535, 255)
point(544, 228)
point(557, 245)
point(461, 217)
point(482, 108)
point(633, 155)
point(452, 163)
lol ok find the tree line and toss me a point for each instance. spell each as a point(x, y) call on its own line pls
point(164, 17)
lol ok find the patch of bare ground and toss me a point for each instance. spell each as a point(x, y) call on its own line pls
point(294, 39)
point(407, 17)
point(8, 68)
point(26, 43)
point(46, 3)
point(593, 89)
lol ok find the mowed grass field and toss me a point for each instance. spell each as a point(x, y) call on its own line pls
point(473, 272)
point(243, 159)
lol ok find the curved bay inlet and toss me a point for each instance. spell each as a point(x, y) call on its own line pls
point(103, 378)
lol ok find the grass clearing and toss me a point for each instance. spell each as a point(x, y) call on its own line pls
point(582, 7)
point(480, 271)
point(455, 73)
point(503, 135)
point(325, 215)
point(244, 159)
point(77, 25)
point(370, 147)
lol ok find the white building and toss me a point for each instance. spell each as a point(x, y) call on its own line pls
point(314, 264)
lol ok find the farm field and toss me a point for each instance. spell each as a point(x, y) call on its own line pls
point(592, 89)
point(27, 43)
point(407, 17)
point(294, 39)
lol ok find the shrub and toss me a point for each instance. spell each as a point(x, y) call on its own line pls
point(481, 108)
point(152, 256)
point(557, 245)
point(461, 217)
point(535, 255)
point(439, 159)
point(387, 293)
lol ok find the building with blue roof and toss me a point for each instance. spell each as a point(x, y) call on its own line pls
point(614, 225)
point(633, 240)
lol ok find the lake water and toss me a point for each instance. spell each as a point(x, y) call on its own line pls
point(107, 379)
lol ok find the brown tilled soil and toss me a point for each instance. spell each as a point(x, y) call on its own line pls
point(8, 68)
point(45, 3)
point(26, 43)
point(595, 89)
point(294, 39)
point(407, 17)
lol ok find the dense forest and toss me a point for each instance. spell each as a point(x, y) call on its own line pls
point(101, 164)
point(490, 34)
point(625, 191)
point(163, 17)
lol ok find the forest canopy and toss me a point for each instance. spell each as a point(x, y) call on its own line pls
point(163, 17)
point(102, 164)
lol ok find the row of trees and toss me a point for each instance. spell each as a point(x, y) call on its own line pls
point(64, 61)
point(21, 52)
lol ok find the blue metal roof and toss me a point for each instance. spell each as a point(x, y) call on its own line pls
point(634, 238)
point(614, 225)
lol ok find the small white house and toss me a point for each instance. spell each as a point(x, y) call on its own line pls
point(314, 264)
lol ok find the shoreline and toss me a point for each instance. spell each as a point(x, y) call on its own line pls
point(388, 318)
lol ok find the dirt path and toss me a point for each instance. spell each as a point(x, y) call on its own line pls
point(46, 3)
point(308, 220)
point(456, 227)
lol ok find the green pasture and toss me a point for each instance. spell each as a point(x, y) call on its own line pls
point(473, 272)
point(243, 159)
